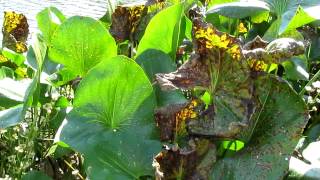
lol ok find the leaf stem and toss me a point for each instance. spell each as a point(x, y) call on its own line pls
point(315, 77)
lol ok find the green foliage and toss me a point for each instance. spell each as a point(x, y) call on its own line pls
point(49, 20)
point(165, 37)
point(121, 145)
point(230, 109)
point(80, 43)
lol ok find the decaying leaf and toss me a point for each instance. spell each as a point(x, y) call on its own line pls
point(276, 51)
point(194, 73)
point(172, 119)
point(125, 21)
point(193, 162)
point(257, 42)
point(228, 72)
point(174, 163)
point(15, 31)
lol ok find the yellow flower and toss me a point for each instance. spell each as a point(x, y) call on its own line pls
point(242, 28)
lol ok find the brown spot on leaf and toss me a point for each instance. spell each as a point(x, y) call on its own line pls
point(172, 119)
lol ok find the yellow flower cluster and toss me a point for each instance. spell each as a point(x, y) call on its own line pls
point(213, 40)
point(3, 58)
point(186, 113)
point(12, 20)
point(21, 47)
point(257, 65)
point(134, 17)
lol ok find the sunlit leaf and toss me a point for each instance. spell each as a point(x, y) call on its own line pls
point(113, 129)
point(165, 37)
point(49, 20)
point(80, 43)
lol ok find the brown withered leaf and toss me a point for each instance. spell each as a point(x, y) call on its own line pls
point(222, 70)
point(257, 42)
point(174, 163)
point(15, 31)
point(222, 67)
point(125, 21)
point(193, 162)
point(172, 119)
point(194, 73)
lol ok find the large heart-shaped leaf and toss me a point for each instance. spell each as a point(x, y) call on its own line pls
point(274, 135)
point(112, 121)
point(80, 43)
point(163, 31)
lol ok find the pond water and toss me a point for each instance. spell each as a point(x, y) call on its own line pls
point(92, 8)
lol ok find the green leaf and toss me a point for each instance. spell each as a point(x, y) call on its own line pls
point(11, 116)
point(239, 9)
point(296, 68)
point(49, 20)
point(113, 124)
point(17, 58)
point(6, 72)
point(80, 43)
point(20, 91)
point(293, 14)
point(31, 175)
point(294, 19)
point(153, 62)
point(273, 31)
point(49, 67)
point(260, 17)
point(163, 31)
point(275, 135)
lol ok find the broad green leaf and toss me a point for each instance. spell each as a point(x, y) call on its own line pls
point(239, 9)
point(153, 62)
point(113, 124)
point(80, 43)
point(39, 175)
point(294, 19)
point(296, 69)
point(273, 31)
point(49, 20)
point(294, 13)
point(11, 116)
point(163, 31)
point(274, 136)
